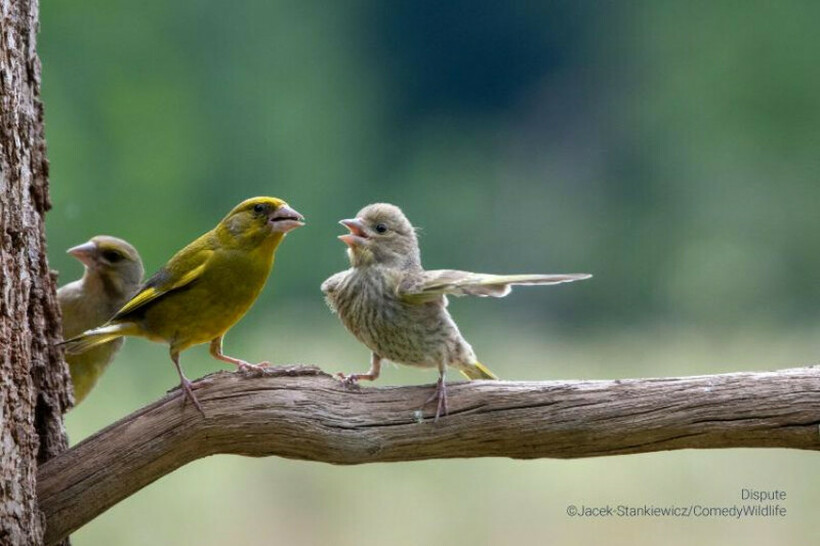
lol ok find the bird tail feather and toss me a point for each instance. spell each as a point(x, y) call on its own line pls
point(478, 371)
point(97, 336)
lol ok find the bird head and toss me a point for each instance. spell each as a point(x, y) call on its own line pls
point(254, 220)
point(381, 234)
point(113, 260)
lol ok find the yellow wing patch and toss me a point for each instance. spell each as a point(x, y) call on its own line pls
point(139, 300)
point(151, 293)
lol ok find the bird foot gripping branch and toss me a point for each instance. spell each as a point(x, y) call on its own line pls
point(349, 380)
point(440, 397)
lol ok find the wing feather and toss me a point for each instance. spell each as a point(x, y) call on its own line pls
point(183, 269)
point(431, 285)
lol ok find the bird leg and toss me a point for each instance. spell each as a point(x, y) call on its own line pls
point(371, 375)
point(440, 395)
point(216, 352)
point(187, 389)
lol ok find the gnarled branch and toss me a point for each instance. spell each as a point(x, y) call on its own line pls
point(302, 413)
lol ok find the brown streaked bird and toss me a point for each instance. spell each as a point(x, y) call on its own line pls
point(113, 272)
point(398, 310)
point(205, 288)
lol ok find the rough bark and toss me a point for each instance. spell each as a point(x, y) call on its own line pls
point(33, 377)
point(302, 413)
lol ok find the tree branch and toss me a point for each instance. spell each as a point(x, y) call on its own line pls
point(302, 413)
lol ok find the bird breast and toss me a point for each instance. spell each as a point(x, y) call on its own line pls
point(418, 335)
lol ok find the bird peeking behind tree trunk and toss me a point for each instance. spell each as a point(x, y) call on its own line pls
point(205, 288)
point(398, 309)
point(113, 273)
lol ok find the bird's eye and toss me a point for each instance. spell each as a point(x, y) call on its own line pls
point(381, 228)
point(259, 208)
point(112, 256)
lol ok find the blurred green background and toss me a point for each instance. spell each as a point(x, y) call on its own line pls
point(670, 148)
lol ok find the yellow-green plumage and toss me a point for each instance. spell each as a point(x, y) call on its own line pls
point(185, 311)
point(206, 287)
point(113, 272)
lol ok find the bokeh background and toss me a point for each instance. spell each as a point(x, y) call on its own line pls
point(670, 148)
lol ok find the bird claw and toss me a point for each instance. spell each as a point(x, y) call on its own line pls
point(440, 396)
point(188, 394)
point(351, 380)
point(243, 366)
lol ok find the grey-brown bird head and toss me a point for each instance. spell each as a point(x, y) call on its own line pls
point(381, 234)
point(113, 260)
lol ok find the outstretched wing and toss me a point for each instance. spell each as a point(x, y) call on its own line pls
point(431, 285)
point(184, 268)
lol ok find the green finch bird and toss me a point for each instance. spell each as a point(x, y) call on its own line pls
point(113, 272)
point(205, 288)
point(399, 310)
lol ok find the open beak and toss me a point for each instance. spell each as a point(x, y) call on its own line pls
point(85, 252)
point(285, 219)
point(357, 235)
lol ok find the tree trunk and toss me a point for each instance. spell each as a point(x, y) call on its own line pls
point(33, 377)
